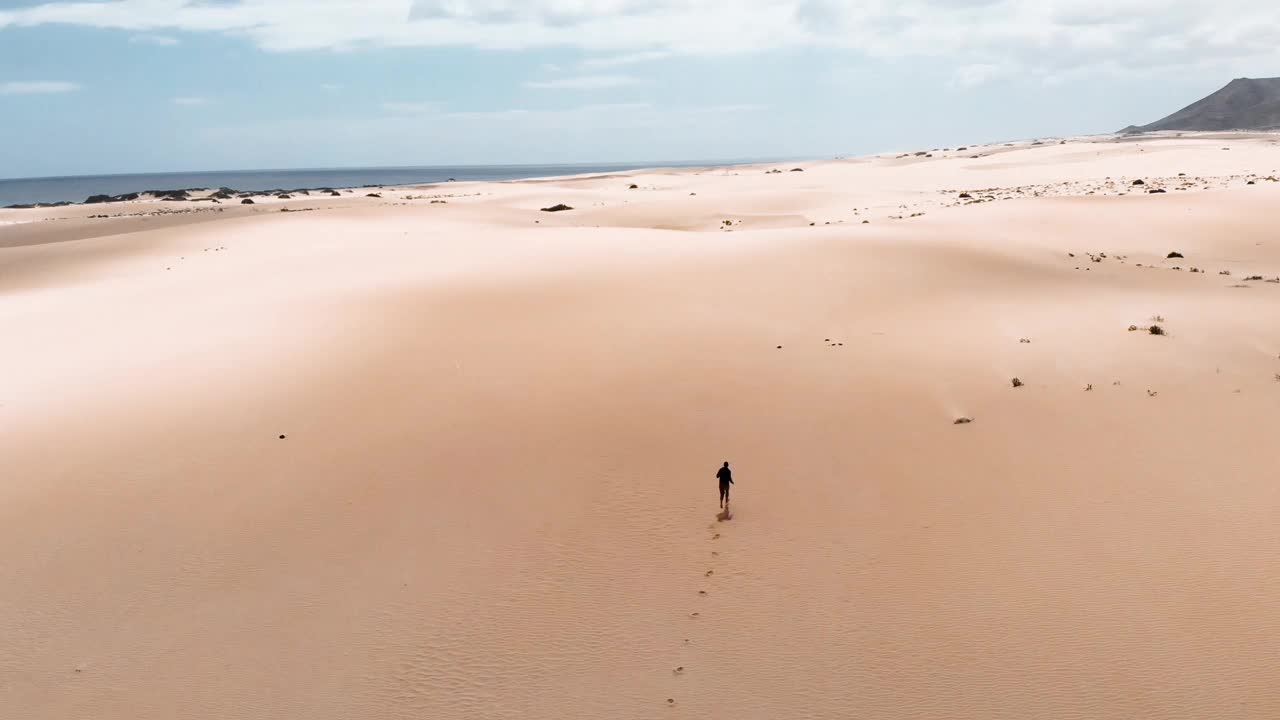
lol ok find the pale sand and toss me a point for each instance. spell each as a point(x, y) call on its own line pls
point(496, 498)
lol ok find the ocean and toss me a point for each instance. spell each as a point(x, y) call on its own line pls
point(26, 191)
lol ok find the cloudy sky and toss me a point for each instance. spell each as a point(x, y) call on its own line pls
point(105, 86)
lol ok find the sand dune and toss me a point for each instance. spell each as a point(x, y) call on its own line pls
point(494, 496)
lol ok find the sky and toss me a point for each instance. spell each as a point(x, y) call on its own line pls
point(116, 86)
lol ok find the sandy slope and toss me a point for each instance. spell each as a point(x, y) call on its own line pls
point(495, 497)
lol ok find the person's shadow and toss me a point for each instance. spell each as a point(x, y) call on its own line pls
point(725, 514)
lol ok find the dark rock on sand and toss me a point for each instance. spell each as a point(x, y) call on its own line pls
point(1172, 255)
point(247, 201)
point(557, 208)
point(1139, 182)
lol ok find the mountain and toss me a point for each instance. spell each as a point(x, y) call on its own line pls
point(1244, 104)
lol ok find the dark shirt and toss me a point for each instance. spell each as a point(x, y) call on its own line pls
point(725, 476)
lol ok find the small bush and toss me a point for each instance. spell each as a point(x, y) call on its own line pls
point(1155, 330)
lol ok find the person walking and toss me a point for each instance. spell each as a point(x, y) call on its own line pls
point(725, 476)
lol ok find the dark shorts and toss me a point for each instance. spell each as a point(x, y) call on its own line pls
point(724, 488)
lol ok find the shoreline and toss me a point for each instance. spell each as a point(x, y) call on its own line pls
point(202, 193)
point(396, 175)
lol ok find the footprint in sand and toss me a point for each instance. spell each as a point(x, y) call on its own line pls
point(715, 554)
point(716, 536)
point(710, 573)
point(702, 592)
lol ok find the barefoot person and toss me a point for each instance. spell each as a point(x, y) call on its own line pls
point(725, 476)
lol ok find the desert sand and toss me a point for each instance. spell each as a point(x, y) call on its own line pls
point(388, 458)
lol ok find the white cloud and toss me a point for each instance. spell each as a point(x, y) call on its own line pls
point(626, 59)
point(583, 82)
point(160, 40)
point(330, 86)
point(411, 108)
point(583, 133)
point(617, 115)
point(1043, 36)
point(192, 101)
point(37, 88)
point(970, 76)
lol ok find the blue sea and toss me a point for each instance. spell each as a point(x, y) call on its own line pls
point(26, 191)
